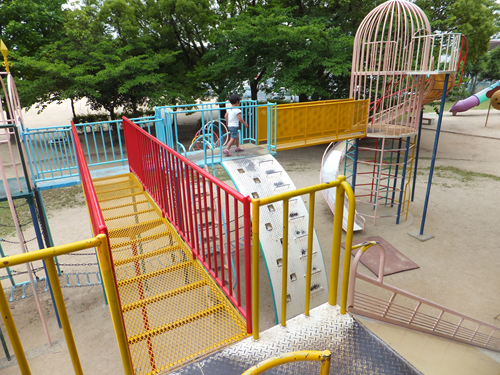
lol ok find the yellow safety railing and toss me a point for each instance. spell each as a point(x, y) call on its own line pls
point(342, 187)
point(304, 355)
point(101, 243)
point(312, 123)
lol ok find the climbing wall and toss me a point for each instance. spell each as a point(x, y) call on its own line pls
point(173, 311)
point(263, 176)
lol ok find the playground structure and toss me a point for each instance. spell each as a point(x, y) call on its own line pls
point(179, 264)
point(395, 56)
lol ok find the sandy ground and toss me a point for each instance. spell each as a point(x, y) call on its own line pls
point(458, 267)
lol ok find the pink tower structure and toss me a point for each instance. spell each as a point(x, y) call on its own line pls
point(394, 56)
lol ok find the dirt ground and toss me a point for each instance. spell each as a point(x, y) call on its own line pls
point(458, 267)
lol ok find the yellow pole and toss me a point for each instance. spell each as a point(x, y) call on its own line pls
point(337, 239)
point(255, 267)
point(50, 252)
point(10, 326)
point(310, 232)
point(348, 245)
point(325, 362)
point(284, 274)
point(303, 355)
point(114, 304)
point(63, 314)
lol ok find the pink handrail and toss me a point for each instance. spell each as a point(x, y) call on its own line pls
point(201, 208)
point(391, 312)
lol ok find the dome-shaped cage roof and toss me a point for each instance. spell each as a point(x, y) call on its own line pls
point(385, 38)
point(394, 52)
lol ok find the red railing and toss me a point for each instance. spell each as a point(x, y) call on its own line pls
point(96, 218)
point(99, 227)
point(211, 217)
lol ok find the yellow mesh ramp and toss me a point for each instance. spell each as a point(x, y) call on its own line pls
point(172, 309)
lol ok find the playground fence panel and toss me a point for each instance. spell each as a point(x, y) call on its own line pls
point(414, 312)
point(211, 217)
point(342, 188)
point(306, 124)
point(210, 136)
point(52, 154)
point(48, 255)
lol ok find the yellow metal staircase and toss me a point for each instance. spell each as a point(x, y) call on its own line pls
point(172, 309)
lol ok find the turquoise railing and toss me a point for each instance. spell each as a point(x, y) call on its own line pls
point(168, 127)
point(51, 150)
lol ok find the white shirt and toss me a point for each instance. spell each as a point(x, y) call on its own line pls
point(232, 117)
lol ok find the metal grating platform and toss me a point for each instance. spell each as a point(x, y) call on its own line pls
point(173, 311)
point(263, 176)
point(355, 350)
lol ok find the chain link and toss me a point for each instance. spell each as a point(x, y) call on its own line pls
point(17, 242)
point(77, 264)
point(80, 254)
point(16, 273)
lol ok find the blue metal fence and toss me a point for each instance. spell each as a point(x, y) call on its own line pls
point(212, 133)
point(52, 155)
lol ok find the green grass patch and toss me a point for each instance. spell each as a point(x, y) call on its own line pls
point(460, 174)
point(221, 173)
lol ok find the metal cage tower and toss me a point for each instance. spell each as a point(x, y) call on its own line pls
point(394, 57)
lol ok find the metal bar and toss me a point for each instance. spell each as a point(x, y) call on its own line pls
point(305, 355)
point(15, 341)
point(284, 270)
point(434, 153)
point(248, 263)
point(163, 296)
point(337, 238)
point(255, 267)
point(41, 246)
point(310, 235)
point(109, 281)
point(348, 242)
point(228, 245)
point(59, 300)
point(403, 177)
point(416, 157)
point(9, 273)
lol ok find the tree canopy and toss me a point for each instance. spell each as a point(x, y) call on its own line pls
point(142, 53)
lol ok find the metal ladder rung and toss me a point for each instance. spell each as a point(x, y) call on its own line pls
point(163, 296)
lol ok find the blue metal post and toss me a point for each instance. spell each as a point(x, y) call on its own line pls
point(407, 151)
point(416, 156)
point(41, 245)
point(355, 164)
point(434, 152)
point(396, 173)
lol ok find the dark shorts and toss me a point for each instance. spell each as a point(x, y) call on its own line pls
point(234, 132)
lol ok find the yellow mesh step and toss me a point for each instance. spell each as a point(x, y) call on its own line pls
point(172, 309)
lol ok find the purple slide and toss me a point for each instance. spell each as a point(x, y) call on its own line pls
point(474, 100)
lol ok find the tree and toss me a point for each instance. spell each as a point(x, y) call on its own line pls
point(26, 25)
point(492, 66)
point(477, 19)
point(303, 54)
point(106, 56)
